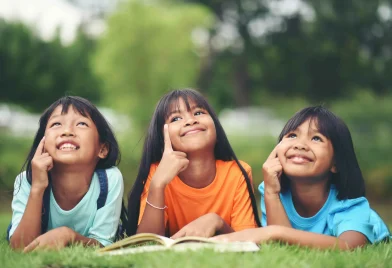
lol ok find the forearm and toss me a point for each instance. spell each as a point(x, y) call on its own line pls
point(153, 220)
point(276, 214)
point(312, 240)
point(29, 226)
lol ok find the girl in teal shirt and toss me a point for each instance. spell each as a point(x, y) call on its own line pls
point(71, 163)
point(313, 192)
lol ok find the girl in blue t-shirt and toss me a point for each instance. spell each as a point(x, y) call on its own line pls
point(313, 192)
point(73, 145)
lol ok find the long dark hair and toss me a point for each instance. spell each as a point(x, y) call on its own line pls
point(348, 179)
point(154, 144)
point(87, 109)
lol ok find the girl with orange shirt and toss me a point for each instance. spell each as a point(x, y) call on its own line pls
point(190, 182)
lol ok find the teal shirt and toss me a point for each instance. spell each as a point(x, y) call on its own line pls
point(84, 218)
point(335, 217)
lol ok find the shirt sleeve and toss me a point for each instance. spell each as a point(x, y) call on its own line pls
point(352, 215)
point(242, 216)
point(262, 205)
point(22, 190)
point(106, 220)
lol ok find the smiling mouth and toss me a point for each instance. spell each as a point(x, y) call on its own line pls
point(68, 147)
point(192, 132)
point(299, 159)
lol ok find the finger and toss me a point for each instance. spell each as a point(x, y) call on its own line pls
point(274, 154)
point(166, 137)
point(31, 246)
point(40, 147)
point(180, 154)
point(184, 166)
point(179, 234)
point(50, 166)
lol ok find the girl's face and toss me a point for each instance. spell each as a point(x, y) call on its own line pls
point(73, 139)
point(192, 130)
point(306, 153)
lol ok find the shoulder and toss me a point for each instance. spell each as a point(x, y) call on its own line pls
point(21, 177)
point(356, 205)
point(232, 165)
point(261, 188)
point(114, 176)
point(245, 166)
point(21, 184)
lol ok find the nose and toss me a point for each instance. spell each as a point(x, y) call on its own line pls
point(191, 120)
point(300, 145)
point(68, 132)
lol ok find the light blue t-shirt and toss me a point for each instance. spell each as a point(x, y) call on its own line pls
point(84, 218)
point(335, 217)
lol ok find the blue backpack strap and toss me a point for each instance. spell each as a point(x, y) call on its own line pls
point(103, 185)
point(8, 231)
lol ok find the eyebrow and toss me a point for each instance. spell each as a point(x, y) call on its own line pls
point(179, 111)
point(59, 115)
point(54, 116)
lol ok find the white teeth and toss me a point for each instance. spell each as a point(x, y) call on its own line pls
point(299, 159)
point(67, 146)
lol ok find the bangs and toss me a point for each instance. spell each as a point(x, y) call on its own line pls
point(77, 105)
point(172, 102)
point(324, 120)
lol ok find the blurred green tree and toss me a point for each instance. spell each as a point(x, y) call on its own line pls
point(147, 50)
point(34, 73)
point(325, 50)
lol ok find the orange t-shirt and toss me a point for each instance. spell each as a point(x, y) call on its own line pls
point(226, 196)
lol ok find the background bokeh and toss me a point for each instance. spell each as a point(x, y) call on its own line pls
point(256, 61)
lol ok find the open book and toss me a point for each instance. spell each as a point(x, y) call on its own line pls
point(146, 242)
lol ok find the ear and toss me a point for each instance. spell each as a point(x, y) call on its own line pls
point(334, 169)
point(103, 152)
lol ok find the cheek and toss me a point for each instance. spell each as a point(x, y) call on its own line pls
point(282, 149)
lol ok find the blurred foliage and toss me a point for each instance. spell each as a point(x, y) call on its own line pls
point(33, 69)
point(322, 52)
point(146, 51)
point(13, 154)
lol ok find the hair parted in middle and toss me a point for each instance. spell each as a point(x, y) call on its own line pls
point(154, 145)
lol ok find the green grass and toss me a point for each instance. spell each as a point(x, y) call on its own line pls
point(270, 255)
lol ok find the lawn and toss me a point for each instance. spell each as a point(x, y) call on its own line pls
point(271, 255)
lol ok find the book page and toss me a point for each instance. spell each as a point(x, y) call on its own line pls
point(189, 246)
point(218, 247)
point(195, 239)
point(137, 239)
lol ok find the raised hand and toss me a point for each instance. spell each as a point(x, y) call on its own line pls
point(41, 163)
point(272, 170)
point(172, 162)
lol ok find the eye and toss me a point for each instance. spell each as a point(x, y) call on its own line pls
point(55, 124)
point(317, 138)
point(82, 124)
point(291, 135)
point(199, 112)
point(174, 119)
